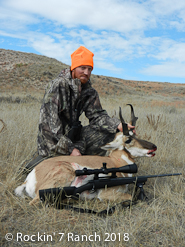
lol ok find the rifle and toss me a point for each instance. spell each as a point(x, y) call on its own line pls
point(57, 195)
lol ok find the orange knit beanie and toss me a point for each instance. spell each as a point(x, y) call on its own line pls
point(82, 56)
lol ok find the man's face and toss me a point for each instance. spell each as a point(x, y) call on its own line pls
point(82, 73)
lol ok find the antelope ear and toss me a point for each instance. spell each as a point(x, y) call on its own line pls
point(117, 143)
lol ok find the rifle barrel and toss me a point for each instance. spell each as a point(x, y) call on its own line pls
point(164, 175)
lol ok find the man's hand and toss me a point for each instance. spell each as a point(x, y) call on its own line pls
point(120, 127)
point(75, 152)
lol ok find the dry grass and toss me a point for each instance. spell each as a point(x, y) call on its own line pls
point(159, 223)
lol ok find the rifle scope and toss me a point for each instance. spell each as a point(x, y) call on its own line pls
point(125, 169)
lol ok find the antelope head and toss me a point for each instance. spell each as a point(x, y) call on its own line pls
point(128, 141)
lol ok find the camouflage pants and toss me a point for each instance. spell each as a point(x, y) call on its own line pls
point(90, 143)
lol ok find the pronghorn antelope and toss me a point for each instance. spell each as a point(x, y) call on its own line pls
point(60, 171)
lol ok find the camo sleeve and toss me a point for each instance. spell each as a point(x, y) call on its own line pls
point(51, 139)
point(98, 118)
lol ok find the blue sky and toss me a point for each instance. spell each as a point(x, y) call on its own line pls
point(131, 39)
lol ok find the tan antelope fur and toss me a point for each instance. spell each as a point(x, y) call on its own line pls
point(60, 171)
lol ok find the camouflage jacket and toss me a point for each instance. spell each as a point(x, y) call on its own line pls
point(55, 113)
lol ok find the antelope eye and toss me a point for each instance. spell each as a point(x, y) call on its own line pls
point(128, 141)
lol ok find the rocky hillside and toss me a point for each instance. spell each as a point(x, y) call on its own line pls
point(27, 72)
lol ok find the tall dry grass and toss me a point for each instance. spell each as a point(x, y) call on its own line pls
point(159, 222)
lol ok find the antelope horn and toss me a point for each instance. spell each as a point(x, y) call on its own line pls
point(124, 125)
point(133, 117)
